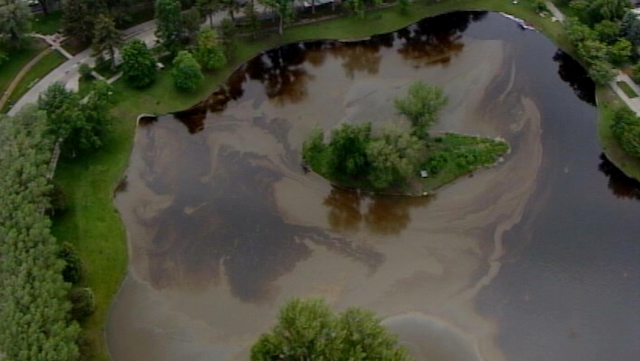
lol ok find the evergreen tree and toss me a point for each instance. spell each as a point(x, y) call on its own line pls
point(78, 19)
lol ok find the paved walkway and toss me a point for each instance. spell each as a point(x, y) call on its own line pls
point(557, 14)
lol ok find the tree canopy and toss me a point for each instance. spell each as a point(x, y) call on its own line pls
point(422, 106)
point(106, 38)
point(310, 330)
point(15, 19)
point(186, 72)
point(626, 129)
point(209, 51)
point(138, 65)
point(169, 24)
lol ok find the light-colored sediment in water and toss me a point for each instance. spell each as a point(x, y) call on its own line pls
point(429, 262)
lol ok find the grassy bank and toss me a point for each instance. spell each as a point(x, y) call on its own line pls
point(92, 224)
point(37, 72)
point(607, 100)
point(17, 59)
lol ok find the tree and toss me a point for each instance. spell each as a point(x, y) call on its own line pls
point(394, 157)
point(78, 19)
point(228, 32)
point(106, 38)
point(191, 21)
point(284, 9)
point(309, 330)
point(208, 7)
point(348, 151)
point(621, 51)
point(404, 6)
point(97, 119)
point(209, 51)
point(232, 6)
point(169, 24)
point(72, 271)
point(608, 31)
point(601, 72)
point(62, 109)
point(626, 129)
point(630, 28)
point(138, 66)
point(422, 106)
point(14, 22)
point(83, 303)
point(186, 72)
point(252, 20)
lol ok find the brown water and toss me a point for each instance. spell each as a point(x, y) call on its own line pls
point(534, 259)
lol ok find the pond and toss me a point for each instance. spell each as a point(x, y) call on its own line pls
point(536, 258)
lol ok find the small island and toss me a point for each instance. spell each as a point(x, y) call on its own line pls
point(402, 159)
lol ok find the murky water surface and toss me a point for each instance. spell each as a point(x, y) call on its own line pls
point(537, 258)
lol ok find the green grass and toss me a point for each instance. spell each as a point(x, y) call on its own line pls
point(452, 156)
point(607, 100)
point(47, 25)
point(17, 59)
point(92, 224)
point(37, 72)
point(626, 88)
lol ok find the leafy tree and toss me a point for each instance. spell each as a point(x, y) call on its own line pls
point(578, 32)
point(309, 330)
point(78, 19)
point(97, 117)
point(72, 271)
point(626, 129)
point(621, 51)
point(85, 71)
point(601, 72)
point(62, 109)
point(228, 32)
point(232, 6)
point(284, 9)
point(404, 6)
point(191, 21)
point(593, 51)
point(169, 24)
point(209, 51)
point(348, 151)
point(186, 72)
point(422, 106)
point(394, 157)
point(608, 31)
point(138, 65)
point(635, 72)
point(251, 15)
point(14, 22)
point(593, 12)
point(106, 38)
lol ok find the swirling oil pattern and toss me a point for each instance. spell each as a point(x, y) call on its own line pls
point(537, 258)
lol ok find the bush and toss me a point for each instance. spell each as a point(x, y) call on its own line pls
point(83, 303)
point(186, 72)
point(626, 129)
point(72, 271)
point(309, 330)
point(85, 71)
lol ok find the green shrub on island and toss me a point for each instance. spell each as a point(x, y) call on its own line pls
point(138, 65)
point(186, 72)
point(310, 330)
point(397, 158)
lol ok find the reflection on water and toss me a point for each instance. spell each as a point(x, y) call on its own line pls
point(224, 225)
point(619, 183)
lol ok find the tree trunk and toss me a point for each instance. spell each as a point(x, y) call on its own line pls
point(281, 24)
point(45, 8)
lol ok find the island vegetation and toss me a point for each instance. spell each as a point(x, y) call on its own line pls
point(310, 330)
point(399, 160)
point(89, 230)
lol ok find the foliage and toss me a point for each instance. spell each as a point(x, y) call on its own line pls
point(72, 271)
point(403, 5)
point(601, 72)
point(138, 65)
point(80, 125)
point(34, 310)
point(207, 8)
point(422, 106)
point(630, 28)
point(348, 151)
point(78, 19)
point(620, 52)
point(228, 32)
point(608, 31)
point(626, 130)
point(191, 21)
point(85, 71)
point(186, 72)
point(394, 157)
point(106, 38)
point(309, 330)
point(83, 303)
point(635, 72)
point(232, 6)
point(15, 18)
point(284, 9)
point(169, 24)
point(252, 20)
point(209, 51)
point(593, 12)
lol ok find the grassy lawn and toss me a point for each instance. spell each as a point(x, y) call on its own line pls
point(626, 88)
point(607, 99)
point(47, 25)
point(17, 59)
point(93, 224)
point(37, 72)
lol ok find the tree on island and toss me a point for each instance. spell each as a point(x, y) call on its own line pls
point(310, 330)
point(169, 24)
point(421, 106)
point(209, 50)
